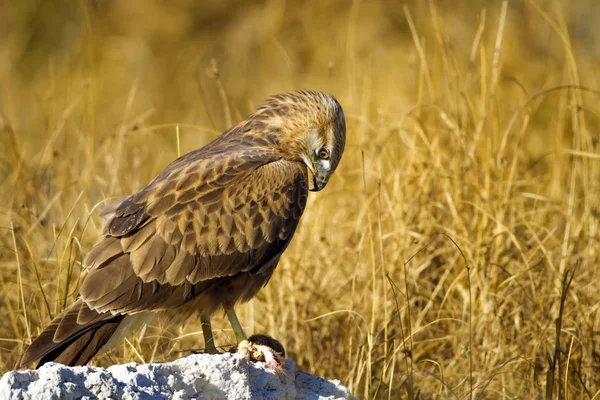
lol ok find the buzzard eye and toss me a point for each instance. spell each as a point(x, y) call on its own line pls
point(323, 154)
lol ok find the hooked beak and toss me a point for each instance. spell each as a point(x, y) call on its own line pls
point(319, 182)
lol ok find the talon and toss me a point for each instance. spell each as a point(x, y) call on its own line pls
point(205, 351)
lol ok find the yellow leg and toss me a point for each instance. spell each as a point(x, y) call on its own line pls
point(235, 324)
point(209, 340)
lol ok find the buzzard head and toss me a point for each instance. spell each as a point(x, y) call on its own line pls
point(308, 127)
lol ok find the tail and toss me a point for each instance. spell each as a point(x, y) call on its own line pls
point(73, 337)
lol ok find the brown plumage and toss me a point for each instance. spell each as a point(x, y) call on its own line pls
point(206, 233)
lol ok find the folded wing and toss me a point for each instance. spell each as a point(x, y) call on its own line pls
point(198, 221)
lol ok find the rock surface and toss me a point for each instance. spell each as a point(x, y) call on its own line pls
point(198, 376)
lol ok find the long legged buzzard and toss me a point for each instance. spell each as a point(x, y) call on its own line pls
point(206, 233)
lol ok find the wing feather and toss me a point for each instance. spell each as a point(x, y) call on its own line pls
point(103, 252)
point(196, 222)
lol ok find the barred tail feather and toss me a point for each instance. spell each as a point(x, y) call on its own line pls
point(73, 337)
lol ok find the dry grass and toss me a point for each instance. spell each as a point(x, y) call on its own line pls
point(433, 264)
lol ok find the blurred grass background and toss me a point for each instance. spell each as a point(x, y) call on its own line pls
point(433, 264)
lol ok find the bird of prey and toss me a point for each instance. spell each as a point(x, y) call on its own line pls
point(204, 235)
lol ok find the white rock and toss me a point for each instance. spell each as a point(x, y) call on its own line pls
point(198, 376)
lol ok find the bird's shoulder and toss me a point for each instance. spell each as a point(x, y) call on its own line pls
point(194, 177)
point(215, 203)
